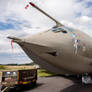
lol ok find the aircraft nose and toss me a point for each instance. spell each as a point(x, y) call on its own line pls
point(15, 39)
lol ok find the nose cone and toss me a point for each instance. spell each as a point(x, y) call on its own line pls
point(38, 39)
point(15, 39)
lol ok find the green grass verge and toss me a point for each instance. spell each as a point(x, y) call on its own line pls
point(2, 67)
point(44, 73)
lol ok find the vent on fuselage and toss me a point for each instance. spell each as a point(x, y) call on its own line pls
point(52, 53)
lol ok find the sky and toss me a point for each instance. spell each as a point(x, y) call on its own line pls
point(17, 21)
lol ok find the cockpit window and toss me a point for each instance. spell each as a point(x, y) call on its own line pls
point(59, 29)
point(62, 29)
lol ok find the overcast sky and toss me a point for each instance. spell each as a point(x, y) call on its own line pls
point(17, 21)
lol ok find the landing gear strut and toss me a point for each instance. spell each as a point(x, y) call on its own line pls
point(87, 79)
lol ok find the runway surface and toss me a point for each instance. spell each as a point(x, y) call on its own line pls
point(59, 84)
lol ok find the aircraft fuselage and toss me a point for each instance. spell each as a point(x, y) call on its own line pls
point(60, 52)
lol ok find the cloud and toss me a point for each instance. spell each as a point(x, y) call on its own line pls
point(10, 58)
point(85, 19)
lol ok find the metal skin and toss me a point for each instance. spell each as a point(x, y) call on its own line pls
point(68, 52)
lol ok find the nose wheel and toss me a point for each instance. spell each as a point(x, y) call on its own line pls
point(87, 79)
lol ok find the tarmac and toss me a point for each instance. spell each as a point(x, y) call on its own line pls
point(59, 84)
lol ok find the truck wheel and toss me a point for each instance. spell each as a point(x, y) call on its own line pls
point(10, 90)
point(34, 83)
point(18, 89)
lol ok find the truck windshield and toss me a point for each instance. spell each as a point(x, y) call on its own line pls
point(9, 76)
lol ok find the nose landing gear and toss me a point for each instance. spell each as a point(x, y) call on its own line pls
point(87, 79)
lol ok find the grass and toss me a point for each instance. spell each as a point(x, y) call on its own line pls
point(44, 73)
point(41, 72)
point(2, 67)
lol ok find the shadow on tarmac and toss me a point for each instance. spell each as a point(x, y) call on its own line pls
point(27, 88)
point(78, 88)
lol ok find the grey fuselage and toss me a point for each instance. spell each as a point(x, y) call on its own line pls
point(60, 52)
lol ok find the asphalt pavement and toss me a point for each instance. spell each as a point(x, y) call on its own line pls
point(59, 84)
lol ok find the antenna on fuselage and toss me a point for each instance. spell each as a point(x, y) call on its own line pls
point(57, 22)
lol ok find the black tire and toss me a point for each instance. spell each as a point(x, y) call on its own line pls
point(18, 89)
point(10, 90)
point(34, 83)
